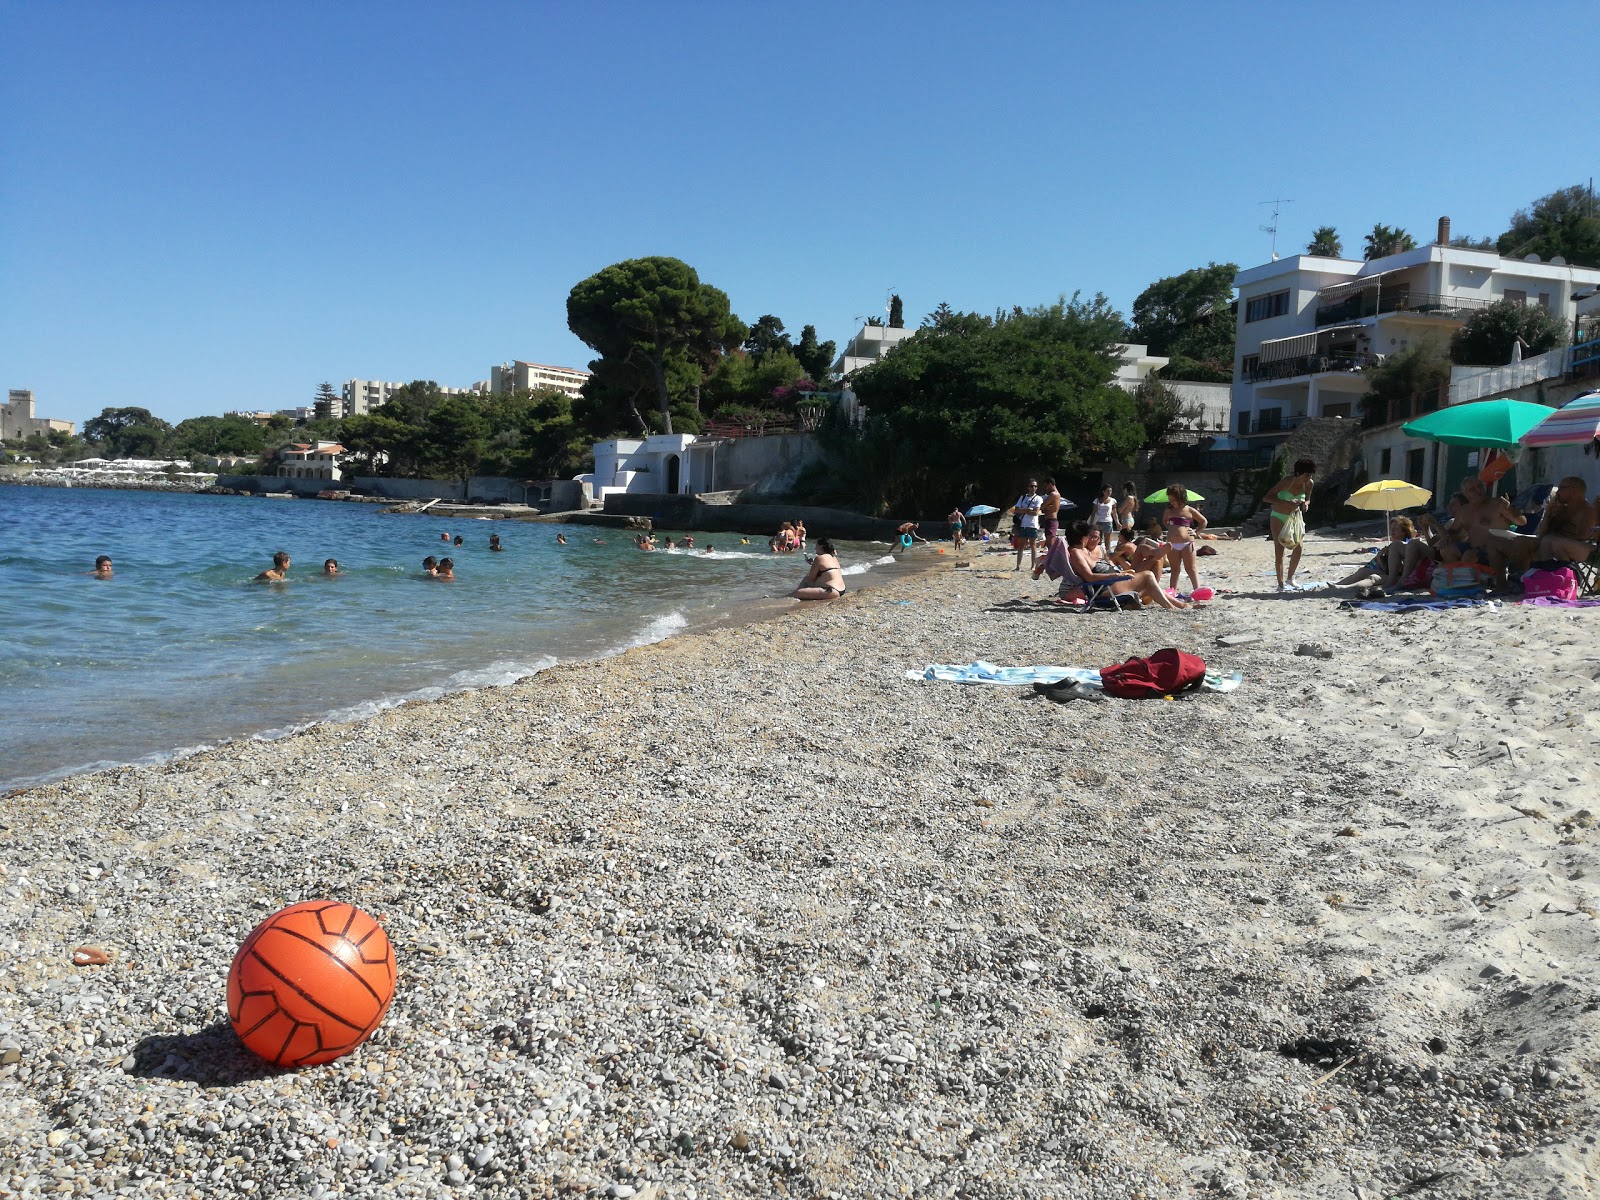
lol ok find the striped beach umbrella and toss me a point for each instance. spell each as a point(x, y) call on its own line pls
point(1575, 423)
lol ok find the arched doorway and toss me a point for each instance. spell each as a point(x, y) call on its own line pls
point(672, 474)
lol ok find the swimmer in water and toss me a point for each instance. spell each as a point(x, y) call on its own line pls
point(711, 549)
point(688, 541)
point(447, 569)
point(102, 567)
point(279, 569)
point(494, 542)
point(459, 541)
point(331, 567)
point(444, 537)
point(430, 566)
point(561, 539)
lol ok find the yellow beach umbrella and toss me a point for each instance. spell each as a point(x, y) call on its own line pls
point(1387, 496)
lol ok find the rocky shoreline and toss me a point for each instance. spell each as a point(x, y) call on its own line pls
point(750, 913)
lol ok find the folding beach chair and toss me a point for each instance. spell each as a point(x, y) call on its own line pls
point(1099, 593)
point(1588, 573)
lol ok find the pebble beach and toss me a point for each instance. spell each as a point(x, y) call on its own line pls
point(750, 913)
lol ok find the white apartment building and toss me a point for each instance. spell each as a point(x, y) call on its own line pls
point(361, 396)
point(517, 376)
point(1309, 327)
point(868, 346)
point(17, 419)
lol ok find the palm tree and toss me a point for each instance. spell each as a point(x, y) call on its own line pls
point(1325, 243)
point(1384, 241)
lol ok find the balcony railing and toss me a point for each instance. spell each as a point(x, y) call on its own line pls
point(1265, 423)
point(1193, 458)
point(1376, 302)
point(1583, 360)
point(1307, 364)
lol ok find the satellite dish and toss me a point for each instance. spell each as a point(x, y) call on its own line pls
point(1530, 258)
point(1558, 261)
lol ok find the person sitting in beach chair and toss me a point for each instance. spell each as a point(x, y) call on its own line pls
point(1072, 560)
point(1566, 531)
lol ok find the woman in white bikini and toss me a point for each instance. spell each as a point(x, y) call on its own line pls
point(1183, 523)
point(1128, 510)
point(825, 580)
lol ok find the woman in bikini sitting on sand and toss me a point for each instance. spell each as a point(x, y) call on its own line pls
point(825, 580)
point(1183, 523)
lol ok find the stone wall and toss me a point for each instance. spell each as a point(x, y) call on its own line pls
point(765, 465)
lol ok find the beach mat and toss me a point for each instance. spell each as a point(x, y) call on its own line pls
point(993, 676)
point(1410, 606)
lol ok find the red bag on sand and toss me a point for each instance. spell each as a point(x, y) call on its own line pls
point(1161, 674)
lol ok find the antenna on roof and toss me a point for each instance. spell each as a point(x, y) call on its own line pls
point(1273, 228)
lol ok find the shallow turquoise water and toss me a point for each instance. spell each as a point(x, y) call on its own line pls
point(181, 649)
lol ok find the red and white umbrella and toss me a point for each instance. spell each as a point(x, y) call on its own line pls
point(1575, 423)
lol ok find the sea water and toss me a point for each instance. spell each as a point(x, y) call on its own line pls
point(181, 649)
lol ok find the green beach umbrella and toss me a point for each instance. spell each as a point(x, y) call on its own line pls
point(1161, 496)
point(1498, 423)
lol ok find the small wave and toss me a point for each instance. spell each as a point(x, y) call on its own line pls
point(657, 629)
point(863, 568)
point(496, 674)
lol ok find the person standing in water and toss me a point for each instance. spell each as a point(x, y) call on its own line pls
point(278, 571)
point(494, 543)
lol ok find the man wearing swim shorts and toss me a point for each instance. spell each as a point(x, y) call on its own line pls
point(1050, 512)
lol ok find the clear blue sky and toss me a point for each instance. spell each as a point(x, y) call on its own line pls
point(214, 206)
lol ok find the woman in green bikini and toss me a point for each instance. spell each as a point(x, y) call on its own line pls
point(1289, 500)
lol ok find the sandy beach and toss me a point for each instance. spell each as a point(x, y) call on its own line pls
point(749, 913)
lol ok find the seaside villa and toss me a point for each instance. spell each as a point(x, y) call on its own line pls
point(665, 463)
point(319, 461)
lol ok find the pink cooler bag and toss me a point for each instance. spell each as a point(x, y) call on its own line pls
point(1560, 584)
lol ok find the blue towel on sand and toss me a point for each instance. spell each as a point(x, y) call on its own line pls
point(1408, 606)
point(982, 672)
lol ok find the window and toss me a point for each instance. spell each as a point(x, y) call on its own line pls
point(1337, 410)
point(1517, 295)
point(1244, 422)
point(1385, 460)
point(1270, 418)
point(1414, 463)
point(1249, 364)
point(1274, 304)
point(1544, 301)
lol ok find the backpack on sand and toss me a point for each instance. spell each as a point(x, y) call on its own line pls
point(1161, 674)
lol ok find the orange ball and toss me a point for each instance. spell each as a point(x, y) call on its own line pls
point(311, 983)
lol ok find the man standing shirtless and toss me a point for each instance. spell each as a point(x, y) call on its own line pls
point(1050, 511)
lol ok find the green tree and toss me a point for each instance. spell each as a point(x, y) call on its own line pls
point(1467, 242)
point(897, 313)
point(1405, 382)
point(1188, 319)
point(766, 336)
point(1490, 334)
point(816, 357)
point(642, 313)
point(1161, 411)
point(1565, 223)
point(1325, 243)
point(127, 432)
point(382, 443)
point(939, 317)
point(327, 402)
point(980, 400)
point(212, 436)
point(1385, 240)
point(458, 438)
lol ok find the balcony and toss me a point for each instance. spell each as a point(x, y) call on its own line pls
point(1376, 302)
point(1269, 422)
point(1306, 364)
